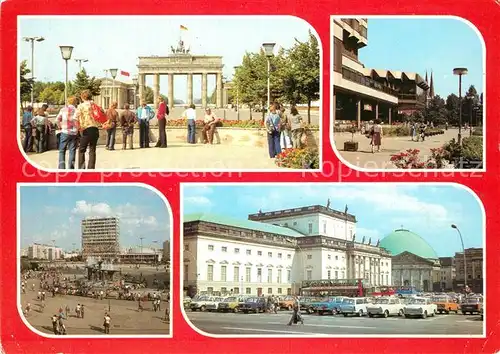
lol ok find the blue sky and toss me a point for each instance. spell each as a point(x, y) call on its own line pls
point(118, 41)
point(379, 208)
point(417, 45)
point(55, 213)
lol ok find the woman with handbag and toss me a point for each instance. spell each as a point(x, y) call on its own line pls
point(376, 132)
point(273, 131)
point(296, 126)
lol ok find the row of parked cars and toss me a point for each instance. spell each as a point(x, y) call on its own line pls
point(413, 306)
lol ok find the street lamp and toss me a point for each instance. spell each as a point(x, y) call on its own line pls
point(141, 238)
point(463, 249)
point(154, 249)
point(268, 50)
point(237, 94)
point(80, 61)
point(113, 73)
point(460, 72)
point(32, 40)
point(134, 81)
point(66, 51)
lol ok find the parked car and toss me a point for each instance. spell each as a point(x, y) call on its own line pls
point(186, 301)
point(354, 306)
point(329, 305)
point(286, 303)
point(472, 305)
point(214, 304)
point(253, 304)
point(230, 304)
point(385, 306)
point(420, 307)
point(307, 304)
point(445, 304)
point(201, 303)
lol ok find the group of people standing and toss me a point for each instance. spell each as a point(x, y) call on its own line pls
point(283, 131)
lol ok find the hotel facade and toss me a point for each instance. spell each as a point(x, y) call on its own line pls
point(361, 94)
point(275, 252)
point(100, 238)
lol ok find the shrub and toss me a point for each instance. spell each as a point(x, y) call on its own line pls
point(472, 149)
point(400, 130)
point(298, 158)
point(477, 132)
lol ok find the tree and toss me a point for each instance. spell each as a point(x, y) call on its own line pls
point(84, 82)
point(302, 73)
point(436, 111)
point(149, 95)
point(452, 107)
point(26, 83)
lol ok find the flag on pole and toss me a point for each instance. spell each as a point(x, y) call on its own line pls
point(184, 28)
point(124, 73)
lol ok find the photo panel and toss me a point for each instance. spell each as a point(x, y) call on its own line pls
point(342, 260)
point(187, 95)
point(94, 260)
point(408, 92)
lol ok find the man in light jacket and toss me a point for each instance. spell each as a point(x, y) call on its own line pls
point(144, 115)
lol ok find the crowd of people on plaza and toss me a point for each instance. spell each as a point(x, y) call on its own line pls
point(53, 281)
point(77, 128)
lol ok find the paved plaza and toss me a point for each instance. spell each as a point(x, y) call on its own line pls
point(125, 317)
point(276, 324)
point(175, 156)
point(390, 146)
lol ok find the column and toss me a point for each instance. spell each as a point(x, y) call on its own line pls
point(204, 90)
point(170, 90)
point(359, 114)
point(390, 115)
point(190, 89)
point(219, 90)
point(401, 276)
point(156, 89)
point(376, 110)
point(119, 97)
point(359, 267)
point(142, 81)
point(421, 280)
point(411, 277)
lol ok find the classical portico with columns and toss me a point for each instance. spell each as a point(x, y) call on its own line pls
point(181, 62)
point(409, 269)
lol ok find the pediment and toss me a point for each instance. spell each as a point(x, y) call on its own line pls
point(248, 264)
point(236, 263)
point(211, 261)
point(223, 262)
point(270, 266)
point(410, 258)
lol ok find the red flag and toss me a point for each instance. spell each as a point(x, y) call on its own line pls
point(124, 73)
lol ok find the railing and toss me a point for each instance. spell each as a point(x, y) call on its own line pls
point(366, 81)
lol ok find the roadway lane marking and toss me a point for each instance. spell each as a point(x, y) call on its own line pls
point(326, 325)
point(275, 331)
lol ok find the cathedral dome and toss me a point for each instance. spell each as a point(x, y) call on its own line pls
point(403, 240)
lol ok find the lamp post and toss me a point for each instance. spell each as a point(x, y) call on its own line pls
point(460, 72)
point(141, 238)
point(268, 50)
point(32, 40)
point(237, 95)
point(463, 249)
point(154, 249)
point(134, 81)
point(66, 51)
point(80, 61)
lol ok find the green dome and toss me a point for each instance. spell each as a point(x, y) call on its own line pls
point(402, 240)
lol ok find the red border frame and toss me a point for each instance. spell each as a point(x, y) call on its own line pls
point(16, 337)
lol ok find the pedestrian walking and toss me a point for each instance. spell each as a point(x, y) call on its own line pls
point(68, 126)
point(127, 121)
point(107, 323)
point(190, 115)
point(162, 123)
point(89, 131)
point(54, 324)
point(296, 317)
point(82, 311)
point(110, 126)
point(28, 129)
point(273, 132)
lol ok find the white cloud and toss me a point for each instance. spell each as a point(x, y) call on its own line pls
point(87, 209)
point(198, 190)
point(198, 201)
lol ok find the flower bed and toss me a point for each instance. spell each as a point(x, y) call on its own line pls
point(298, 159)
point(410, 159)
point(433, 131)
point(399, 130)
point(226, 123)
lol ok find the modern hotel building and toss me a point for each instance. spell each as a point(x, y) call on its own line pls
point(364, 94)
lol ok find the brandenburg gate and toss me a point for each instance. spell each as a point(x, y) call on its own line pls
point(180, 62)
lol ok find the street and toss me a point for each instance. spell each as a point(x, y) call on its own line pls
point(276, 324)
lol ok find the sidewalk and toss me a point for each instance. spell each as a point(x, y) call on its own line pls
point(176, 156)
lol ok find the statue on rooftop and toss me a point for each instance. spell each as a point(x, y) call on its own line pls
point(363, 240)
point(328, 203)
